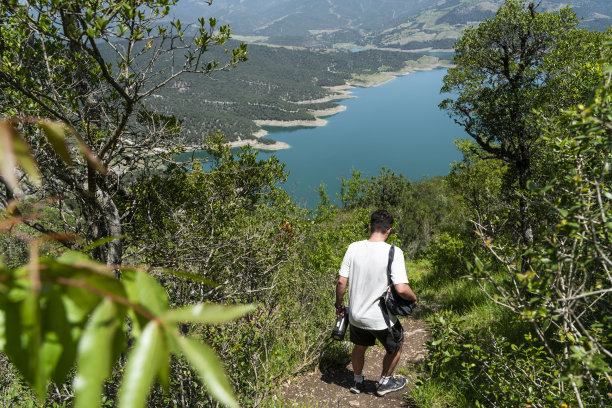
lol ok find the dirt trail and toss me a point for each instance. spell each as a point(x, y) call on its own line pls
point(330, 388)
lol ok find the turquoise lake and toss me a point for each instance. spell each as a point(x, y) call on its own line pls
point(397, 125)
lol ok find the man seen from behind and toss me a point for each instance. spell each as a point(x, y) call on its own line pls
point(364, 269)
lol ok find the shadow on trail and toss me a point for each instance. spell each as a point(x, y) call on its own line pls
point(343, 377)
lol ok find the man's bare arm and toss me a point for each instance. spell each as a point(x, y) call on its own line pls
point(340, 290)
point(404, 290)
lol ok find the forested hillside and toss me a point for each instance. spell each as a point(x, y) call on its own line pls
point(272, 85)
point(129, 279)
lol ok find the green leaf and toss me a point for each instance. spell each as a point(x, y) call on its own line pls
point(143, 363)
point(23, 343)
point(25, 159)
point(549, 186)
point(89, 155)
point(78, 303)
point(59, 336)
point(80, 261)
point(207, 313)
point(144, 289)
point(56, 136)
point(2, 328)
point(95, 355)
point(172, 341)
point(209, 367)
point(478, 264)
point(42, 341)
point(164, 370)
point(101, 242)
point(30, 316)
point(8, 154)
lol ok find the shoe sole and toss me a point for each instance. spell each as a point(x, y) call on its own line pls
point(355, 391)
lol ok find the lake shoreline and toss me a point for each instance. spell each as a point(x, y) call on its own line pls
point(340, 92)
point(403, 114)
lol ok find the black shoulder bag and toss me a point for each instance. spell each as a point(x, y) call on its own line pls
point(390, 301)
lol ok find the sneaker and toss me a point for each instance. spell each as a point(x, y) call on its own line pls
point(357, 387)
point(394, 384)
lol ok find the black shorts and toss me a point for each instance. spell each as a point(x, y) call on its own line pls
point(390, 341)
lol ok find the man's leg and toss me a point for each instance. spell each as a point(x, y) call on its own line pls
point(358, 358)
point(362, 339)
point(393, 342)
point(390, 362)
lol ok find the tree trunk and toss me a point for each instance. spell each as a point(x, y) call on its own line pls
point(113, 228)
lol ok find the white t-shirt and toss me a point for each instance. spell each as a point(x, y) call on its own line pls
point(365, 266)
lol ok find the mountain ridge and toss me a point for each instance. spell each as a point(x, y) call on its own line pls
point(398, 24)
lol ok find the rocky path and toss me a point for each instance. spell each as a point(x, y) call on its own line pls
point(330, 388)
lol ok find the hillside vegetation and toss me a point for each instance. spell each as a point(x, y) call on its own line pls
point(274, 84)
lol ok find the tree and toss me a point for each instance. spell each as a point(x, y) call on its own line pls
point(508, 67)
point(225, 220)
point(90, 65)
point(572, 277)
point(569, 281)
point(520, 79)
point(56, 312)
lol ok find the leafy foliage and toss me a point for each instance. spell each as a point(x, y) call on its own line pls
point(90, 66)
point(423, 209)
point(549, 345)
point(517, 62)
point(502, 371)
point(571, 276)
point(55, 312)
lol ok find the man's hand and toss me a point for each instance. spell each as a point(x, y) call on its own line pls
point(340, 310)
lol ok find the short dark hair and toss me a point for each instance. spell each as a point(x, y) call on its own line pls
point(381, 221)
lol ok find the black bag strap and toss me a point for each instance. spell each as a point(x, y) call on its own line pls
point(391, 254)
point(385, 313)
point(381, 301)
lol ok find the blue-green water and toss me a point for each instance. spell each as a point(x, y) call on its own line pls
point(396, 125)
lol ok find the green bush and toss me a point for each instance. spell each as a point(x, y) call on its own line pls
point(499, 371)
point(447, 256)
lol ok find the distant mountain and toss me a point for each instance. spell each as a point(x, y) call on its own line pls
point(440, 26)
point(405, 24)
point(292, 17)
